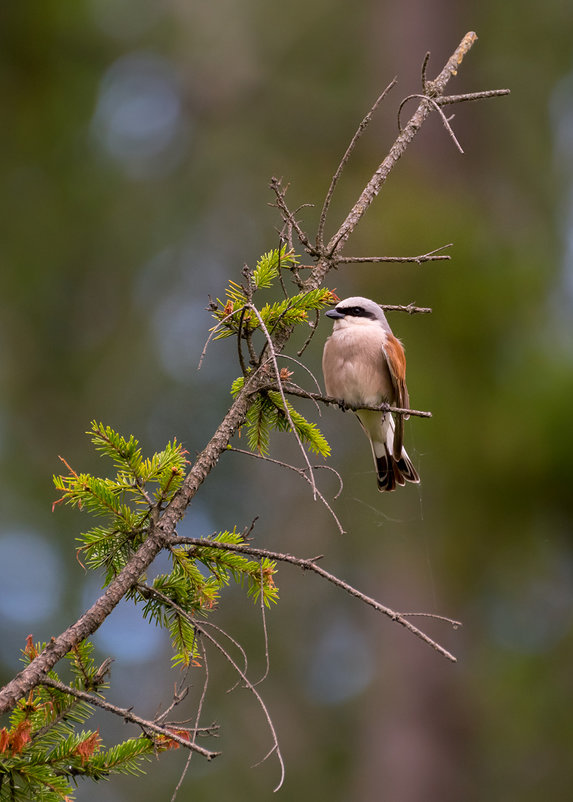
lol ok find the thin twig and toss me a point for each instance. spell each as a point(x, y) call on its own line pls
point(373, 187)
point(409, 308)
point(248, 684)
point(214, 331)
point(311, 565)
point(431, 256)
point(240, 342)
point(455, 624)
point(282, 243)
point(343, 162)
point(446, 99)
point(127, 715)
point(279, 387)
point(178, 697)
point(300, 473)
point(197, 719)
point(313, 328)
point(292, 389)
point(445, 120)
point(292, 467)
point(265, 633)
point(235, 643)
point(301, 365)
point(424, 69)
point(282, 205)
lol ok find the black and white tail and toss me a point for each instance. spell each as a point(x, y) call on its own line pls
point(390, 470)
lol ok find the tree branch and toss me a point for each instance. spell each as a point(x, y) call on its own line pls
point(433, 90)
point(292, 389)
point(126, 714)
point(414, 124)
point(310, 565)
point(160, 531)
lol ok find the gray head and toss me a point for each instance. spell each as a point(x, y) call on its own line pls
point(358, 307)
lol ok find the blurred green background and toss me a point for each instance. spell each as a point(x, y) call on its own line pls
point(137, 141)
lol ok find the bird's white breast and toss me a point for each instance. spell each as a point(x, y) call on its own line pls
point(354, 365)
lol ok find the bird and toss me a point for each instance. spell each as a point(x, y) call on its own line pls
point(364, 363)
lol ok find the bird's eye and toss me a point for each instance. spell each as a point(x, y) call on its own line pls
point(357, 311)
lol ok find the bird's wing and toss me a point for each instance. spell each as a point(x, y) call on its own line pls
point(396, 360)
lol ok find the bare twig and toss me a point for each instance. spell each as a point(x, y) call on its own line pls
point(197, 719)
point(126, 714)
point(235, 643)
point(343, 162)
point(310, 565)
point(432, 256)
point(409, 308)
point(240, 342)
point(279, 387)
point(179, 694)
point(405, 137)
point(313, 328)
point(292, 389)
point(424, 71)
point(248, 684)
point(280, 193)
point(214, 330)
point(455, 624)
point(446, 99)
point(282, 242)
point(301, 365)
point(265, 633)
point(300, 473)
point(440, 112)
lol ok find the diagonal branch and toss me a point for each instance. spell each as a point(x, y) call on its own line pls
point(126, 714)
point(92, 619)
point(405, 137)
point(310, 565)
point(433, 90)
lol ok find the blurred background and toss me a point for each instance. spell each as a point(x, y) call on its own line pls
point(137, 143)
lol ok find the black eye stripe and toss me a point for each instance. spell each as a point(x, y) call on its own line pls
point(356, 311)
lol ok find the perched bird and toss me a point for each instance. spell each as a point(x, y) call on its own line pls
point(363, 363)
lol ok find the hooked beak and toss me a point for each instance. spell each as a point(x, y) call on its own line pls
point(334, 314)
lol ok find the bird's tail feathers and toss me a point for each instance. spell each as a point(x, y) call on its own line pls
point(391, 472)
point(392, 467)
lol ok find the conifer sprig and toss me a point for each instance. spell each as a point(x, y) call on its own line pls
point(197, 577)
point(234, 315)
point(267, 413)
point(43, 748)
point(195, 585)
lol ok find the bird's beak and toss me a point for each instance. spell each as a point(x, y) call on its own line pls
point(334, 313)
